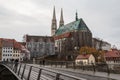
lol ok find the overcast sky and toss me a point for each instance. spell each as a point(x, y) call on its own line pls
point(33, 17)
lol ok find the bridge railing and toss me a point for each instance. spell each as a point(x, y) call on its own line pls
point(97, 67)
point(31, 72)
point(6, 73)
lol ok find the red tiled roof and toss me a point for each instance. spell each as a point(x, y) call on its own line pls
point(113, 53)
point(62, 36)
point(10, 43)
point(83, 56)
point(17, 45)
point(7, 42)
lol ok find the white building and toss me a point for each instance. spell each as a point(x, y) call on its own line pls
point(85, 59)
point(11, 50)
point(7, 53)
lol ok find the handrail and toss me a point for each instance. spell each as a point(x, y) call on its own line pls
point(20, 74)
point(59, 73)
point(10, 71)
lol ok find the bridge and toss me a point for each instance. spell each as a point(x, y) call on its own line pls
point(53, 71)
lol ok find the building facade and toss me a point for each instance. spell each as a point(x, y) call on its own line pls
point(39, 46)
point(100, 44)
point(71, 37)
point(11, 50)
point(85, 59)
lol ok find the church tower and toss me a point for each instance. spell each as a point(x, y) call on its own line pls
point(61, 23)
point(54, 23)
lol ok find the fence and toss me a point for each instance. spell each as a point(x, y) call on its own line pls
point(100, 67)
point(29, 72)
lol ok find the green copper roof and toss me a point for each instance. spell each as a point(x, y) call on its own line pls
point(76, 25)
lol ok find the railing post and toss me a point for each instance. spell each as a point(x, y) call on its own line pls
point(66, 63)
point(93, 67)
point(57, 76)
point(83, 67)
point(23, 71)
point(19, 69)
point(74, 65)
point(51, 64)
point(29, 73)
point(40, 62)
point(39, 74)
point(61, 64)
point(108, 71)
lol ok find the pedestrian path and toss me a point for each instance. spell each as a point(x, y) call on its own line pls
point(79, 71)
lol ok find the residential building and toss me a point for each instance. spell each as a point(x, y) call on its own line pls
point(100, 44)
point(39, 46)
point(0, 50)
point(112, 56)
point(11, 49)
point(85, 59)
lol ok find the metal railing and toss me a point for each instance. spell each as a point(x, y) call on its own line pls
point(6, 73)
point(97, 67)
point(30, 72)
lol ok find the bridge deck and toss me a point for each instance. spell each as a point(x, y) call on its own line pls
point(37, 72)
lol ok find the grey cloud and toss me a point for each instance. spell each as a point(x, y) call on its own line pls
point(102, 17)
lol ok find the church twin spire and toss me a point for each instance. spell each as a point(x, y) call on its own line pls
point(54, 14)
point(61, 23)
point(54, 22)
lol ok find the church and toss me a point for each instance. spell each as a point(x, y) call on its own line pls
point(69, 38)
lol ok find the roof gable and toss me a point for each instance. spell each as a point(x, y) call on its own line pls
point(83, 56)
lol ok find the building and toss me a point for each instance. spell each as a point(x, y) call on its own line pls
point(39, 46)
point(7, 49)
point(85, 59)
point(11, 49)
point(100, 44)
point(71, 37)
point(0, 50)
point(112, 56)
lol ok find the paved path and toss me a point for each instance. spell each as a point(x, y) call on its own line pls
point(89, 75)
